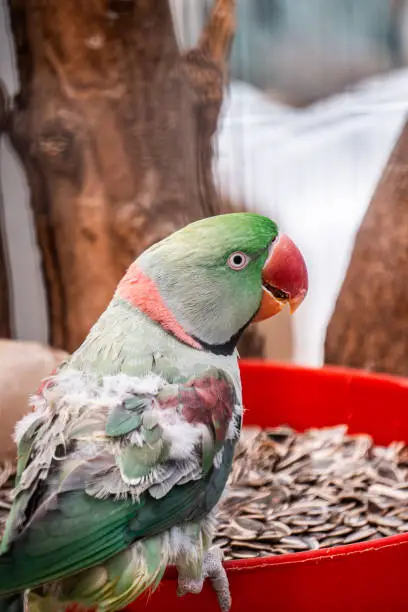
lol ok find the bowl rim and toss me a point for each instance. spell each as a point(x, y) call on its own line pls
point(308, 557)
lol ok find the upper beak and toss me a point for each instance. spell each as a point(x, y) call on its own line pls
point(284, 279)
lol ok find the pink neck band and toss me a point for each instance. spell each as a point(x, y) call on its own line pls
point(140, 291)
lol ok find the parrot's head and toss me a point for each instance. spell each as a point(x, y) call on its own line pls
point(206, 282)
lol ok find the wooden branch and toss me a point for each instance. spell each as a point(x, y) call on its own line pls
point(369, 327)
point(5, 331)
point(114, 127)
point(218, 34)
point(205, 71)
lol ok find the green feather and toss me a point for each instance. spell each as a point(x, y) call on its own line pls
point(138, 461)
point(122, 421)
point(127, 416)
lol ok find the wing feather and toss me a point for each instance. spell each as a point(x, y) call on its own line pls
point(110, 461)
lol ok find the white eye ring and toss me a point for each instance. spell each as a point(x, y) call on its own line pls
point(238, 260)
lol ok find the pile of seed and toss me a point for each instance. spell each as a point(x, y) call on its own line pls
point(291, 492)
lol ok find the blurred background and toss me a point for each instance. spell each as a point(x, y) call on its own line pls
point(315, 104)
point(317, 101)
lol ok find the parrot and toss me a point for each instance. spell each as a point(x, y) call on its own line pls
point(128, 446)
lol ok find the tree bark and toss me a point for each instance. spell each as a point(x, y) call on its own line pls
point(4, 290)
point(114, 126)
point(369, 327)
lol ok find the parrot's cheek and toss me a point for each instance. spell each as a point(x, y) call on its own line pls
point(269, 306)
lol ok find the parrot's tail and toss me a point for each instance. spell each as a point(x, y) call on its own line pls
point(12, 603)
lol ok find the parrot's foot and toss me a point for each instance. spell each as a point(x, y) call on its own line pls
point(214, 570)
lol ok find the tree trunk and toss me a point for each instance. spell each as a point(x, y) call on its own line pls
point(369, 327)
point(114, 126)
point(4, 295)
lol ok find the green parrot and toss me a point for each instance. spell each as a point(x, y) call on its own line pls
point(129, 445)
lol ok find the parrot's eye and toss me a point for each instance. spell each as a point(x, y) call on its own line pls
point(238, 260)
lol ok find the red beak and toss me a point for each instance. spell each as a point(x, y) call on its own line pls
point(284, 279)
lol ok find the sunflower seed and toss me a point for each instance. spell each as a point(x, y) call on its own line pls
point(385, 521)
point(322, 528)
point(306, 521)
point(332, 541)
point(355, 520)
point(249, 524)
point(248, 545)
point(386, 491)
point(221, 542)
point(386, 531)
point(360, 534)
point(243, 553)
point(341, 530)
point(295, 543)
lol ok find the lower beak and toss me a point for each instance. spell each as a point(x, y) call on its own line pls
point(284, 279)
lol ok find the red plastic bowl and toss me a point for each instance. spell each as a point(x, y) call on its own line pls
point(368, 577)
